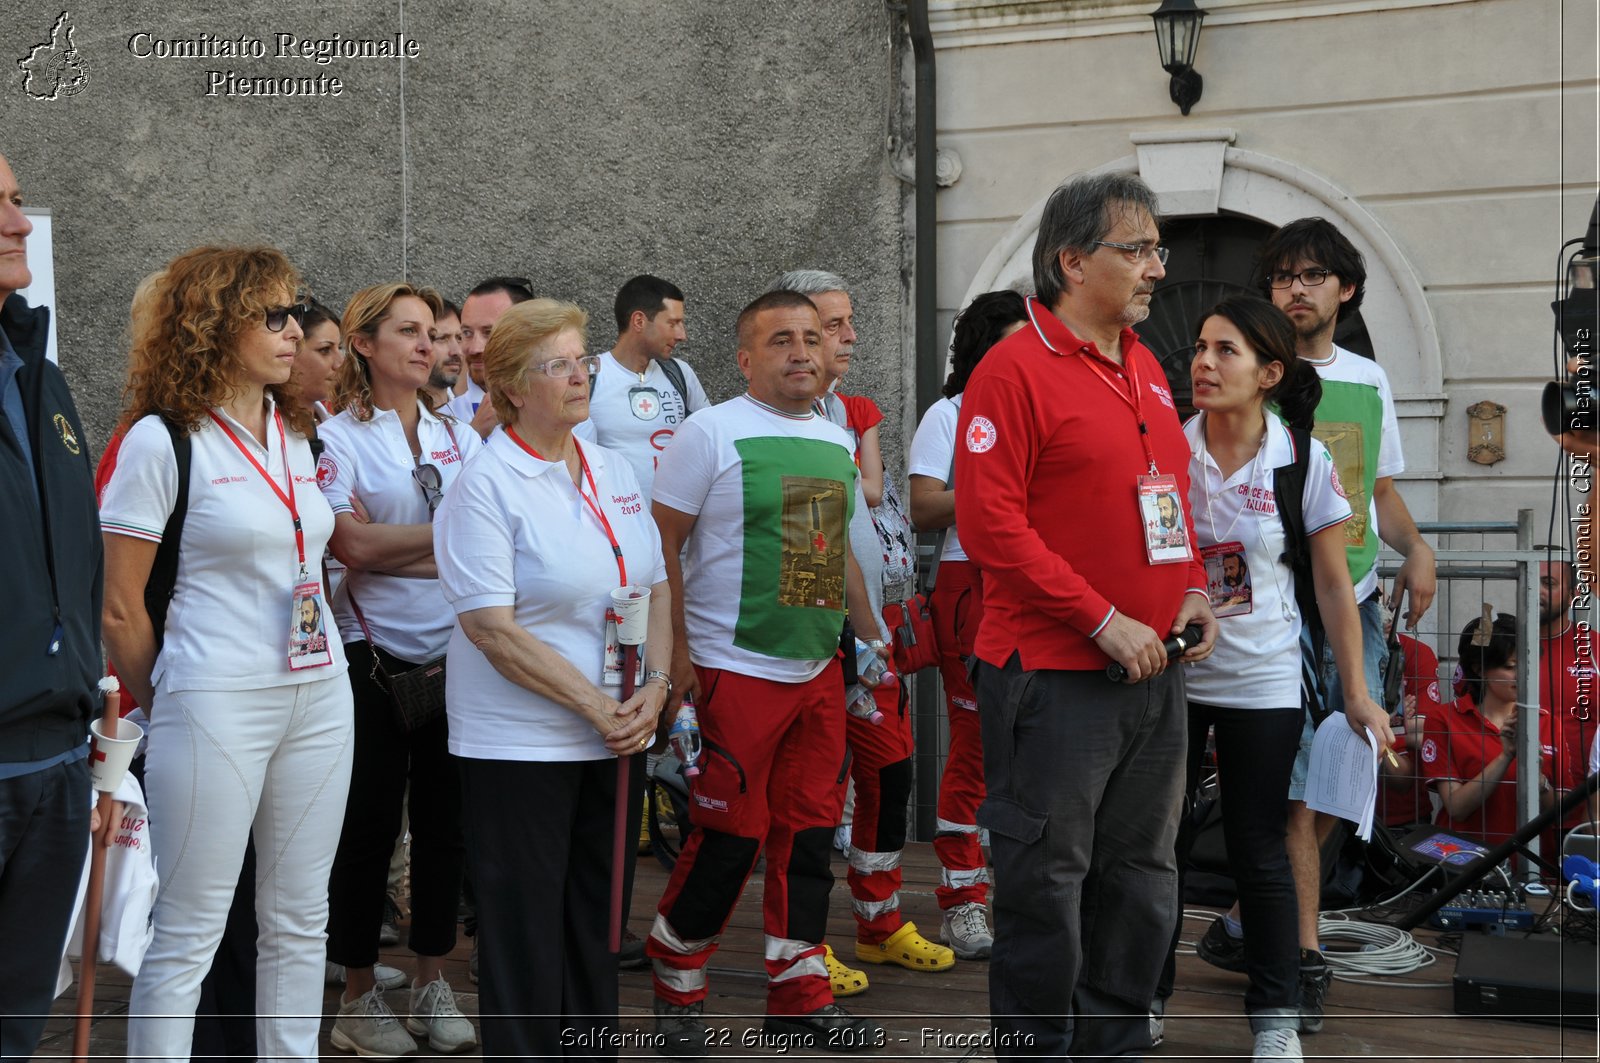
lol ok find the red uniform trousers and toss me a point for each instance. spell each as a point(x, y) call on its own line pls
point(773, 775)
point(957, 606)
point(880, 764)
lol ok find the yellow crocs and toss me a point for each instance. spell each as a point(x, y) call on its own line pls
point(845, 981)
point(909, 949)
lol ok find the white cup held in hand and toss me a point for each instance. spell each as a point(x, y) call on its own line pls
point(631, 605)
point(110, 755)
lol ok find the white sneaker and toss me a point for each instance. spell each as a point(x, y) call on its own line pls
point(1158, 1021)
point(368, 1028)
point(1278, 1044)
point(434, 1014)
point(966, 931)
point(387, 977)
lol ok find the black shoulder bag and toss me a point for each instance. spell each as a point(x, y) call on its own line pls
point(1288, 488)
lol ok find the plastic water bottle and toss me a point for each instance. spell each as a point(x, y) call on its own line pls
point(859, 701)
point(684, 737)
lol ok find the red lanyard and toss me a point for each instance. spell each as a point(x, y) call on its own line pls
point(1131, 396)
point(592, 503)
point(286, 498)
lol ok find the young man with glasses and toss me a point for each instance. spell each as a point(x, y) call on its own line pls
point(1313, 273)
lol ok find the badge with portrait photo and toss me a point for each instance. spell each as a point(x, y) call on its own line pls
point(1166, 534)
point(308, 629)
point(1228, 579)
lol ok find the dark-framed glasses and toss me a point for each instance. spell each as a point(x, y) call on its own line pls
point(278, 316)
point(1310, 278)
point(562, 367)
point(431, 481)
point(1138, 252)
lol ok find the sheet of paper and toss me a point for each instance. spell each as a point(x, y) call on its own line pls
point(1342, 779)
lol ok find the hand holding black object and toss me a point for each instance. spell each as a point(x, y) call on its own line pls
point(1175, 647)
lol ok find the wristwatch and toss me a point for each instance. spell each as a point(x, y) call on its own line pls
point(663, 676)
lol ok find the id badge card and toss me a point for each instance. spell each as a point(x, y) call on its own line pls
point(1228, 579)
point(612, 674)
point(308, 628)
point(645, 402)
point(1166, 535)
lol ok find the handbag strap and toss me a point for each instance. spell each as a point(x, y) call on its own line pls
point(940, 535)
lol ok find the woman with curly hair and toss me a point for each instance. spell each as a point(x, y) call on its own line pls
point(390, 453)
point(249, 726)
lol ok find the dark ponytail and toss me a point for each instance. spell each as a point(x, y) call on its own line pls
point(1270, 334)
point(1297, 394)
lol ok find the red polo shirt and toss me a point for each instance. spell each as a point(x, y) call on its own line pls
point(1051, 452)
point(1458, 742)
point(1401, 805)
point(1567, 678)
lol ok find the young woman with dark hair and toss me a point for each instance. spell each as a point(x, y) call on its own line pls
point(1250, 687)
point(1469, 748)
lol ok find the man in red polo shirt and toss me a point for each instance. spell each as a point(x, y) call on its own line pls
point(1072, 435)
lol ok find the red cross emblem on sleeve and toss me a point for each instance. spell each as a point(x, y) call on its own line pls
point(980, 435)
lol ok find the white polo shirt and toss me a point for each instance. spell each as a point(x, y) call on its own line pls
point(513, 531)
point(931, 450)
point(637, 416)
point(372, 460)
point(1256, 662)
point(228, 625)
point(464, 405)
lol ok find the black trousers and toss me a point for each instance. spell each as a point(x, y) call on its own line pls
point(539, 837)
point(1255, 753)
point(385, 758)
point(44, 830)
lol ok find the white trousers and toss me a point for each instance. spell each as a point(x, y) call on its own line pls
point(221, 764)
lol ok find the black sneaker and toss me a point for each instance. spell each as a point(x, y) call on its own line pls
point(830, 1027)
point(1220, 948)
point(631, 956)
point(1315, 978)
point(389, 932)
point(681, 1030)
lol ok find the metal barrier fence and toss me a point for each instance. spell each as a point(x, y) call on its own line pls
point(1495, 562)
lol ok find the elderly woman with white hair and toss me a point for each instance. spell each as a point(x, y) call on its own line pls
point(535, 535)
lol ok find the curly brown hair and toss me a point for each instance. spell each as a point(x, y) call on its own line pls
point(186, 322)
point(366, 310)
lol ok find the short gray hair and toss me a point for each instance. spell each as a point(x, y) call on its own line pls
point(1079, 212)
point(810, 282)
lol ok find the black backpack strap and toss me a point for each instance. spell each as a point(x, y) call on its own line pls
point(163, 579)
point(1288, 489)
point(674, 373)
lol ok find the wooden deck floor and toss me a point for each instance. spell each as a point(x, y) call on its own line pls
point(930, 1014)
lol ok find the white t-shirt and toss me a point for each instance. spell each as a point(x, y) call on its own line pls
point(1256, 663)
point(1594, 755)
point(931, 450)
point(637, 418)
point(1350, 368)
point(513, 531)
point(372, 460)
point(764, 567)
point(228, 624)
point(464, 405)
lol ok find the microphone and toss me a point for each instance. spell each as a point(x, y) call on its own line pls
point(1175, 647)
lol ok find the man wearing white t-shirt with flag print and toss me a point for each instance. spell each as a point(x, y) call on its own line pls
point(1315, 275)
point(755, 496)
point(642, 395)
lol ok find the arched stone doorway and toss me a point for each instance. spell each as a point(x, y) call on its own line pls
point(1202, 180)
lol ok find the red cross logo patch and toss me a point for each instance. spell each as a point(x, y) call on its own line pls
point(980, 434)
point(646, 405)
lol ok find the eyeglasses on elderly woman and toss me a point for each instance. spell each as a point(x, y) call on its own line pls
point(562, 367)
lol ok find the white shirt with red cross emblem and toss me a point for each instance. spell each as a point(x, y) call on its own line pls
point(637, 417)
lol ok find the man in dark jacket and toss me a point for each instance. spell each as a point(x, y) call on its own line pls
point(49, 645)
